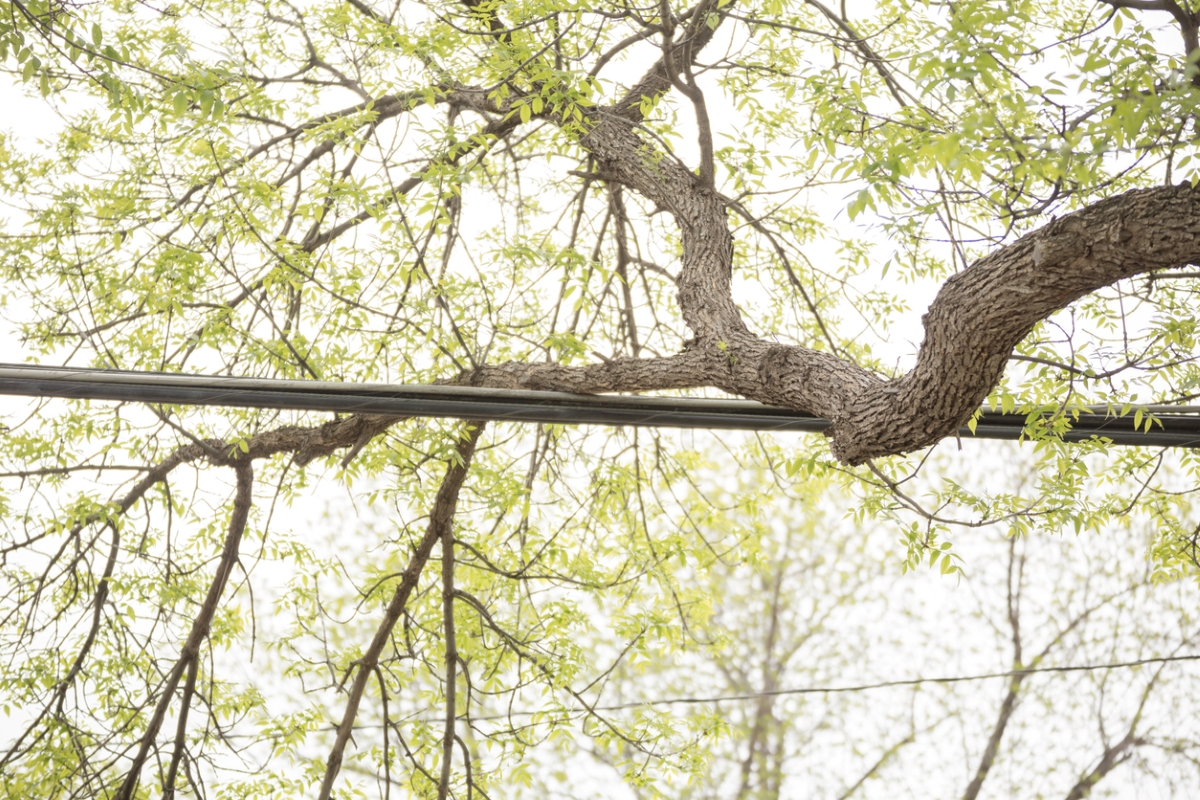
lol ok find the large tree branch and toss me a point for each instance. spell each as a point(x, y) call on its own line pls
point(687, 370)
point(973, 325)
point(971, 328)
point(983, 312)
point(976, 321)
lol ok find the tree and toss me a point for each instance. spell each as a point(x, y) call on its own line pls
point(545, 196)
point(1027, 612)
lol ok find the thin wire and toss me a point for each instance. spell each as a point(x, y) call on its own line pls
point(910, 682)
point(809, 690)
point(865, 687)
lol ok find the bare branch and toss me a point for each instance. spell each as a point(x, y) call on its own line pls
point(199, 632)
point(441, 520)
point(451, 656)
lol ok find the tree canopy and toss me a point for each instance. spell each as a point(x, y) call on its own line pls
point(754, 199)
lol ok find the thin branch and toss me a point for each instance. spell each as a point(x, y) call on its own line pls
point(189, 689)
point(441, 519)
point(447, 534)
point(200, 625)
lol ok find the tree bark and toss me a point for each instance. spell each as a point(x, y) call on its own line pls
point(971, 328)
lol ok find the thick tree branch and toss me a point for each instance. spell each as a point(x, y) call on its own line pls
point(971, 328)
point(973, 325)
point(200, 627)
point(441, 519)
point(983, 312)
point(687, 370)
point(976, 321)
point(978, 318)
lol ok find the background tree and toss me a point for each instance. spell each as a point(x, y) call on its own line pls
point(1028, 603)
point(538, 195)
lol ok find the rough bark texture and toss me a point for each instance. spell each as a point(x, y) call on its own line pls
point(971, 328)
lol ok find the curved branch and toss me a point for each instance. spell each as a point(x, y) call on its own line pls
point(972, 327)
point(983, 312)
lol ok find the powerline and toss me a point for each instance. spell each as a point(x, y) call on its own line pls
point(865, 687)
point(461, 402)
point(508, 405)
point(892, 684)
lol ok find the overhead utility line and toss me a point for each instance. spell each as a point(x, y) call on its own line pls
point(865, 687)
point(508, 405)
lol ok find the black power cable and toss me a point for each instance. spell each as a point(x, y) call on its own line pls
point(467, 402)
